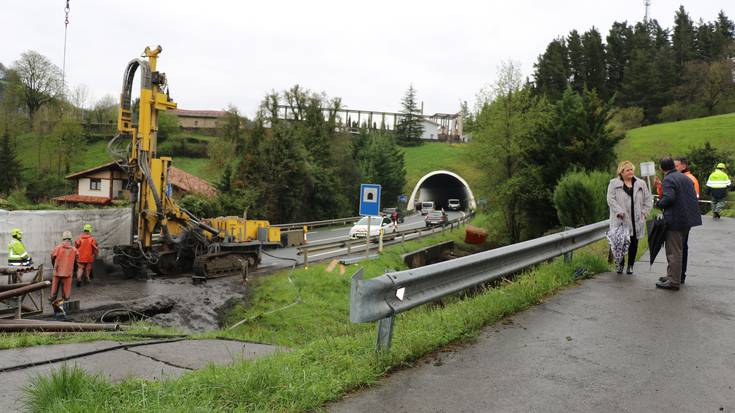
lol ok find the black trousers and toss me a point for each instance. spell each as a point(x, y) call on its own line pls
point(684, 256)
point(632, 250)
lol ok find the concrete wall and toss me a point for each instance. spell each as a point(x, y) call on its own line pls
point(42, 230)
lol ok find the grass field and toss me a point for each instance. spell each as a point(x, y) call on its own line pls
point(92, 154)
point(650, 143)
point(433, 156)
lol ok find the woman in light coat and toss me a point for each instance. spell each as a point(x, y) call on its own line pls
point(630, 201)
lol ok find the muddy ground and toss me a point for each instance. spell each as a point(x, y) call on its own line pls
point(173, 302)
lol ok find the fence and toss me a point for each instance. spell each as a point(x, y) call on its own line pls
point(315, 224)
point(381, 298)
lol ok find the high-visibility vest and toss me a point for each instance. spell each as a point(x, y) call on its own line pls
point(718, 179)
point(17, 254)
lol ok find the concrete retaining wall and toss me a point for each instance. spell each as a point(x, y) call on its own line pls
point(42, 230)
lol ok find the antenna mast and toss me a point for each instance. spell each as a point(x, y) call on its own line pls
point(648, 5)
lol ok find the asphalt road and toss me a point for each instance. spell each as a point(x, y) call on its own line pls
point(284, 257)
point(614, 343)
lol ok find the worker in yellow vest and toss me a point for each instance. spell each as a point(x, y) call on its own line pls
point(17, 254)
point(717, 186)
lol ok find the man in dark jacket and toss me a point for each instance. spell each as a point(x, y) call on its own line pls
point(681, 213)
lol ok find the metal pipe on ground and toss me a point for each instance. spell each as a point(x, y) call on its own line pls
point(24, 290)
point(8, 287)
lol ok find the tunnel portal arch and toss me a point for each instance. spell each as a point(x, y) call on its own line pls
point(439, 186)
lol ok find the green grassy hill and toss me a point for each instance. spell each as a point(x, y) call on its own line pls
point(433, 156)
point(650, 143)
point(92, 154)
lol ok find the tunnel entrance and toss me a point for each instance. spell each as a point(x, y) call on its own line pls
point(440, 187)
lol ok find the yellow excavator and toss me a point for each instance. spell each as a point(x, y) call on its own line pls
point(165, 237)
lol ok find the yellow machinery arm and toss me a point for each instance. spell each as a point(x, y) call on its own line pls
point(186, 243)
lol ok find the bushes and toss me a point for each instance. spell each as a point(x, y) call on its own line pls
point(625, 119)
point(183, 146)
point(580, 198)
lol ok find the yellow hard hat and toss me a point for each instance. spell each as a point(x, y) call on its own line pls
point(87, 227)
point(720, 165)
point(16, 233)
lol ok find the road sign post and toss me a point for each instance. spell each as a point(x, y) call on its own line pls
point(369, 206)
point(648, 169)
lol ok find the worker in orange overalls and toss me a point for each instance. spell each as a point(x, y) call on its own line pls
point(87, 250)
point(62, 258)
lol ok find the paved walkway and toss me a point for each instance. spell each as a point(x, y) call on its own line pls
point(154, 361)
point(612, 344)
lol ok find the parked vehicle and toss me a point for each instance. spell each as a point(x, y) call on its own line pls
point(426, 207)
point(436, 218)
point(395, 214)
point(454, 204)
point(359, 230)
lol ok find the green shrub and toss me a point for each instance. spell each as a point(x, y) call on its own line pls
point(580, 198)
point(182, 146)
point(703, 159)
point(625, 119)
point(47, 186)
point(200, 205)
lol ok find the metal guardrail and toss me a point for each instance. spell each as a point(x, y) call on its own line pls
point(381, 298)
point(351, 244)
point(314, 224)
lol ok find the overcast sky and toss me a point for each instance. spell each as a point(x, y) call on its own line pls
point(217, 52)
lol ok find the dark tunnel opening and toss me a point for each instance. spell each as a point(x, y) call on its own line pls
point(440, 188)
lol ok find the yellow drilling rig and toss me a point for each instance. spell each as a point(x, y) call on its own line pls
point(165, 237)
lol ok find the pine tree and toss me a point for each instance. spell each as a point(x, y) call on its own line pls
point(576, 61)
point(10, 178)
point(683, 40)
point(552, 70)
point(594, 61)
point(617, 54)
point(409, 128)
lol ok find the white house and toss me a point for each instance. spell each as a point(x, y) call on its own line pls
point(431, 130)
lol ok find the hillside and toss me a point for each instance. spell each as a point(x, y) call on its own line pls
point(650, 143)
point(437, 155)
point(93, 154)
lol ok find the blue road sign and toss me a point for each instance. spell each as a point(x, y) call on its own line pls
point(402, 198)
point(369, 199)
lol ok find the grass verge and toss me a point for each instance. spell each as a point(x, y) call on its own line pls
point(135, 333)
point(329, 356)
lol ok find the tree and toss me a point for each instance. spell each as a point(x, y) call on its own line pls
point(230, 127)
point(683, 40)
point(382, 162)
point(40, 81)
point(552, 70)
point(409, 127)
point(595, 71)
point(617, 54)
point(11, 176)
point(168, 126)
point(577, 135)
point(68, 137)
point(505, 125)
point(576, 60)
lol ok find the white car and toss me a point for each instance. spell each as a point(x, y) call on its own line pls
point(359, 230)
point(454, 204)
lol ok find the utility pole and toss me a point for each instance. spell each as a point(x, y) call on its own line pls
point(648, 5)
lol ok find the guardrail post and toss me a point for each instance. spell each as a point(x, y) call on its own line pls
point(380, 241)
point(403, 238)
point(349, 246)
point(385, 334)
point(306, 257)
point(569, 255)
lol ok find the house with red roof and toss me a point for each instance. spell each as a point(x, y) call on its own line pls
point(104, 183)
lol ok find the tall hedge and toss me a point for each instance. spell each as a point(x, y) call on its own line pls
point(580, 198)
